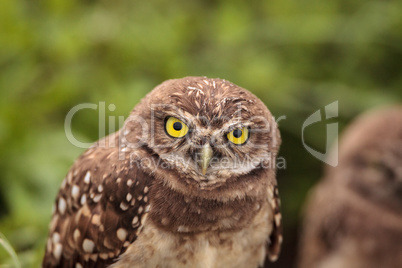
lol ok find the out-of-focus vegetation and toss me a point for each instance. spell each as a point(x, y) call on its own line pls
point(297, 56)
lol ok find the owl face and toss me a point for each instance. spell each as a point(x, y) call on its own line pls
point(207, 130)
point(371, 157)
point(379, 177)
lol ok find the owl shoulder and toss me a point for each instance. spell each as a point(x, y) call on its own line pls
point(98, 210)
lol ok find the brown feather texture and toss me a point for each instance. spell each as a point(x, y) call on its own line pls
point(143, 198)
point(354, 215)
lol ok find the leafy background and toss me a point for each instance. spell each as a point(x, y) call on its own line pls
point(297, 56)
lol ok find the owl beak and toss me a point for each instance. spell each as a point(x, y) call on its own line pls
point(206, 156)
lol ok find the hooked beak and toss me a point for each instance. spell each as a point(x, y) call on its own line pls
point(206, 156)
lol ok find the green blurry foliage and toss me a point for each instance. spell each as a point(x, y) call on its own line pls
point(297, 56)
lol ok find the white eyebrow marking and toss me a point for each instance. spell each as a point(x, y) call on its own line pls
point(235, 123)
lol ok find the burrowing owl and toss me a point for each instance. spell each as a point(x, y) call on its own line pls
point(354, 216)
point(189, 181)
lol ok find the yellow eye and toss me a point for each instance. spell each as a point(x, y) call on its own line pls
point(238, 136)
point(175, 127)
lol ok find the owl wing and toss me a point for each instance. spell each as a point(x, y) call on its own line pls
point(275, 239)
point(323, 225)
point(98, 210)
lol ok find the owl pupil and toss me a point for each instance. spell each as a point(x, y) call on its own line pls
point(237, 133)
point(177, 126)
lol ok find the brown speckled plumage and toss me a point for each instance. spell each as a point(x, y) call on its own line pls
point(354, 216)
point(138, 197)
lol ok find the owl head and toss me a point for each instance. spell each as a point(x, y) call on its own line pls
point(201, 134)
point(370, 157)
